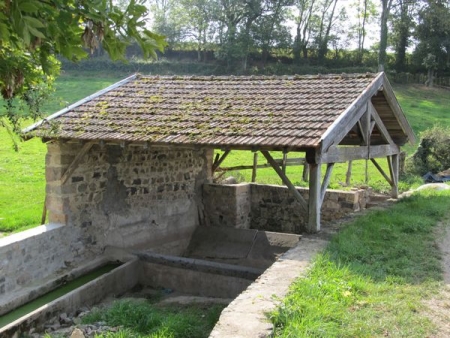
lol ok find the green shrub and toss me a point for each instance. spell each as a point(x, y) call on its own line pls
point(433, 153)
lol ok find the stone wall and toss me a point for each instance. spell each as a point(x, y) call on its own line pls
point(272, 207)
point(128, 196)
point(35, 254)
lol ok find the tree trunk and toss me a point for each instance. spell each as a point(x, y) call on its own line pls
point(430, 78)
point(386, 6)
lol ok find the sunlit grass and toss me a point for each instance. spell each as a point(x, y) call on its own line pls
point(373, 276)
point(143, 319)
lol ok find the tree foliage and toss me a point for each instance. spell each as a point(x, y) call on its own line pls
point(34, 32)
point(433, 153)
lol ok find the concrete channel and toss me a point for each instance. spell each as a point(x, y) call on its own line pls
point(219, 262)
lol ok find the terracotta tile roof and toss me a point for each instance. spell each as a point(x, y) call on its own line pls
point(266, 112)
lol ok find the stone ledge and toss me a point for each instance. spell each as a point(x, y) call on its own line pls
point(23, 235)
point(245, 317)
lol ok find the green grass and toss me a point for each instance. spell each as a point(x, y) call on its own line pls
point(373, 276)
point(424, 107)
point(143, 319)
point(22, 174)
point(22, 183)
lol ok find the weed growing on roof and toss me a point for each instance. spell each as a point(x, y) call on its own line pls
point(372, 277)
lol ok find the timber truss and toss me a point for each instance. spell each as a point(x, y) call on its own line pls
point(361, 135)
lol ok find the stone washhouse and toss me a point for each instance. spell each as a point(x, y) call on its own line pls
point(132, 165)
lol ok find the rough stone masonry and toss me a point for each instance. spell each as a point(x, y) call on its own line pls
point(120, 196)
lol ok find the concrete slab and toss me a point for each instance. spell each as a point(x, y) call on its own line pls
point(253, 248)
point(245, 317)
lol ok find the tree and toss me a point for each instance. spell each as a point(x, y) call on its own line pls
point(169, 20)
point(327, 19)
point(430, 64)
point(199, 17)
point(365, 13)
point(433, 33)
point(269, 30)
point(305, 10)
point(402, 24)
point(385, 10)
point(34, 32)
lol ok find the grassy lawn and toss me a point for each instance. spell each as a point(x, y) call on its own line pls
point(144, 319)
point(372, 279)
point(22, 174)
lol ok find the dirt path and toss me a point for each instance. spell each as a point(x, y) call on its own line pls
point(438, 308)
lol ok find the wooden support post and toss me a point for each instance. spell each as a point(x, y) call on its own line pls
point(283, 163)
point(348, 175)
point(84, 150)
point(255, 166)
point(366, 172)
point(286, 180)
point(218, 161)
point(386, 177)
point(394, 169)
point(314, 202)
point(326, 181)
point(305, 173)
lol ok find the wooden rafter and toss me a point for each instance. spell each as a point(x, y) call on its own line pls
point(326, 181)
point(285, 180)
point(401, 118)
point(344, 154)
point(218, 161)
point(73, 166)
point(386, 177)
point(384, 133)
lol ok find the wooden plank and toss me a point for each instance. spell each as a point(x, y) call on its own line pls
point(255, 166)
point(285, 180)
point(73, 166)
point(283, 162)
point(384, 132)
point(337, 131)
point(382, 172)
point(220, 160)
point(398, 112)
point(259, 166)
point(314, 202)
point(395, 171)
point(344, 154)
point(305, 172)
point(326, 181)
point(364, 127)
point(348, 174)
point(335, 136)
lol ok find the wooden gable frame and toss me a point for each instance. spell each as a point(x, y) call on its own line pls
point(362, 119)
point(338, 146)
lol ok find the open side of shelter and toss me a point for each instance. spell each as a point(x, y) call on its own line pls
point(331, 119)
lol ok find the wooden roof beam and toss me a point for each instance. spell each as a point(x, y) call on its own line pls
point(74, 165)
point(381, 127)
point(344, 154)
point(285, 180)
point(393, 103)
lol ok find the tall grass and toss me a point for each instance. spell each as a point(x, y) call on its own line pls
point(141, 318)
point(372, 277)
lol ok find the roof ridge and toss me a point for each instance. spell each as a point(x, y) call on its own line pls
point(259, 77)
